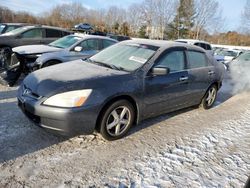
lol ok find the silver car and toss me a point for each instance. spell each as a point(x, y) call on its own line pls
point(26, 59)
point(72, 47)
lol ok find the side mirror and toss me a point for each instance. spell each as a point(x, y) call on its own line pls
point(157, 71)
point(78, 49)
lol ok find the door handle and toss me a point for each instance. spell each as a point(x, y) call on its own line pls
point(210, 72)
point(183, 78)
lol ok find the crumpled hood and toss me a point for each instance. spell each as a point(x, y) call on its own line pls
point(68, 76)
point(35, 49)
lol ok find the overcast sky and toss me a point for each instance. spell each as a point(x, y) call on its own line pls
point(231, 8)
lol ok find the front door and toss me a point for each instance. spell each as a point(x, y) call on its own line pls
point(89, 47)
point(165, 93)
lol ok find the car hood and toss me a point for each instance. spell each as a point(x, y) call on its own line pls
point(35, 49)
point(68, 76)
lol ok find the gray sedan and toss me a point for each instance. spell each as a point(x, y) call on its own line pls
point(122, 85)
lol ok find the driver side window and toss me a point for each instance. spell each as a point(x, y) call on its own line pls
point(90, 44)
point(174, 60)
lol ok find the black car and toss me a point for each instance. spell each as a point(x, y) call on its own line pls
point(28, 35)
point(7, 27)
point(120, 86)
point(118, 37)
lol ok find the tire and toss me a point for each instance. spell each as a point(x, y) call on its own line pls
point(116, 120)
point(50, 63)
point(210, 97)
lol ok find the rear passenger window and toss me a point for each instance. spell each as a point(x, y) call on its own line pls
point(52, 33)
point(196, 59)
point(33, 33)
point(64, 33)
point(209, 47)
point(174, 60)
point(107, 43)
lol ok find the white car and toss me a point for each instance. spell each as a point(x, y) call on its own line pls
point(203, 44)
point(226, 56)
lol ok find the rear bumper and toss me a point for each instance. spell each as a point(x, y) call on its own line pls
point(63, 121)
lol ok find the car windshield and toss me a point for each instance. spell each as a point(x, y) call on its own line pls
point(65, 42)
point(16, 31)
point(127, 57)
point(244, 57)
point(2, 26)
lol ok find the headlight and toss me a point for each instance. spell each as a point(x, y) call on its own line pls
point(33, 56)
point(69, 99)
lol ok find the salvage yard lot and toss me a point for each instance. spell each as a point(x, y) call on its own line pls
point(188, 148)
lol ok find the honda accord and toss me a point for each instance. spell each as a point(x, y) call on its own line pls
point(120, 86)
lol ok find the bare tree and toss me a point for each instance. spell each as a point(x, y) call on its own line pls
point(207, 13)
point(156, 15)
point(245, 18)
point(135, 18)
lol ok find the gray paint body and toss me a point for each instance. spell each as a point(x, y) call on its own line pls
point(153, 95)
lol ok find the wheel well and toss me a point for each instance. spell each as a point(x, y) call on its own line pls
point(2, 46)
point(217, 84)
point(51, 60)
point(122, 97)
point(5, 46)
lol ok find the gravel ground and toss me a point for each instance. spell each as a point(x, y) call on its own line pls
point(188, 148)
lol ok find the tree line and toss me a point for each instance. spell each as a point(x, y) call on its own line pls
point(154, 19)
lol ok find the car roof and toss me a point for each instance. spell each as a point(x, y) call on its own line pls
point(45, 26)
point(164, 44)
point(24, 24)
point(86, 36)
point(191, 41)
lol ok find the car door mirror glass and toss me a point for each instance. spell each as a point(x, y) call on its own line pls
point(78, 49)
point(156, 71)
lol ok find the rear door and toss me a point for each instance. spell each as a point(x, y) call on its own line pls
point(51, 35)
point(166, 93)
point(201, 75)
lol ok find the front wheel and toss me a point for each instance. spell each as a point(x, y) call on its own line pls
point(117, 119)
point(209, 98)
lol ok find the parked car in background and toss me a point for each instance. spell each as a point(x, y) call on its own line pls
point(205, 45)
point(121, 85)
point(7, 27)
point(28, 35)
point(118, 37)
point(29, 58)
point(226, 55)
point(241, 63)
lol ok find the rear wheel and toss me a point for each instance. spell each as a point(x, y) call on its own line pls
point(209, 98)
point(117, 119)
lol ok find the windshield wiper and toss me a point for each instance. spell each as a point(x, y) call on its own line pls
point(106, 65)
point(55, 46)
